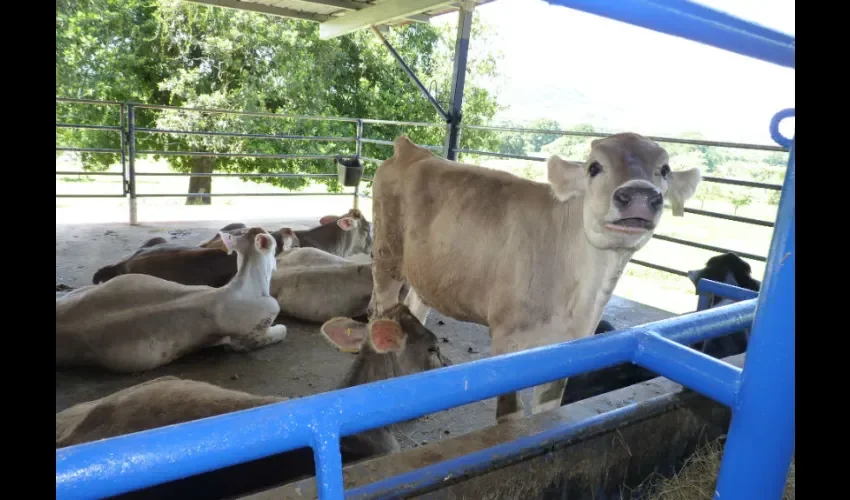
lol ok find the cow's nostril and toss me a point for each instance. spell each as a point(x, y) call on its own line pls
point(622, 198)
point(656, 201)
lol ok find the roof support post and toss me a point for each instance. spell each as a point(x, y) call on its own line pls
point(411, 74)
point(464, 28)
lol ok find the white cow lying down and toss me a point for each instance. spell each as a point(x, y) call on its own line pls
point(137, 322)
point(313, 285)
point(536, 262)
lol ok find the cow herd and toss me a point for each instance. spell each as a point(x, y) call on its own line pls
point(536, 262)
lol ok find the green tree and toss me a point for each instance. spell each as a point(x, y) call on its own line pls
point(572, 147)
point(740, 200)
point(537, 140)
point(171, 52)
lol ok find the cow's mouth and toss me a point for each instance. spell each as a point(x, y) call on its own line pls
point(631, 225)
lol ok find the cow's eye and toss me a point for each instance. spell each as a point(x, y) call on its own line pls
point(665, 171)
point(594, 169)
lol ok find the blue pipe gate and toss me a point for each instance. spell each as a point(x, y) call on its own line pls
point(761, 396)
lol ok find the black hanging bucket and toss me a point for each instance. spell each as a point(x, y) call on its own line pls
point(349, 171)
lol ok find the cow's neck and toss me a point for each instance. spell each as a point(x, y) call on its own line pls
point(596, 271)
point(253, 276)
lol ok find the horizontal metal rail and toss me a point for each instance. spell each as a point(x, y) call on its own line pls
point(192, 174)
point(390, 143)
point(707, 286)
point(90, 195)
point(93, 127)
point(402, 123)
point(89, 150)
point(229, 195)
point(659, 267)
point(735, 218)
point(234, 155)
point(671, 140)
point(708, 247)
point(719, 180)
point(70, 100)
point(740, 182)
point(133, 461)
point(71, 172)
point(243, 113)
point(252, 136)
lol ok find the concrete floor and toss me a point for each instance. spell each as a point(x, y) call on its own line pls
point(302, 364)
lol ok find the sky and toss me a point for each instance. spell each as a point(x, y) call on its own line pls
point(579, 68)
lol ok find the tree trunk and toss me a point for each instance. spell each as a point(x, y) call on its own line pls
point(201, 165)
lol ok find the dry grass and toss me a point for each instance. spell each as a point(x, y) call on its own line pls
point(697, 478)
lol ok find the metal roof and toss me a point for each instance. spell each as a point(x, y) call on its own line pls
point(340, 17)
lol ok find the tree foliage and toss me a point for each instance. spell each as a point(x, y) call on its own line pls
point(176, 53)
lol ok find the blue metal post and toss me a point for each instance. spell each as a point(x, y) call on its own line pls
point(761, 435)
point(328, 460)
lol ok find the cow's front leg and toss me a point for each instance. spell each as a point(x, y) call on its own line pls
point(509, 405)
point(418, 308)
point(548, 396)
point(386, 288)
point(259, 338)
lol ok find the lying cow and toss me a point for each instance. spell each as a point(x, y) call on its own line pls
point(343, 236)
point(137, 322)
point(394, 345)
point(314, 285)
point(212, 265)
point(536, 262)
point(726, 268)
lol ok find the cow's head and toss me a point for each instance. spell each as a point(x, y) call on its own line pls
point(359, 229)
point(623, 184)
point(255, 241)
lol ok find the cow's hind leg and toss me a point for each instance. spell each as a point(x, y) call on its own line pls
point(265, 337)
point(548, 396)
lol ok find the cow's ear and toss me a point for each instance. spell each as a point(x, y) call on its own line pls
point(565, 177)
point(345, 334)
point(229, 241)
point(346, 223)
point(327, 219)
point(386, 336)
point(681, 186)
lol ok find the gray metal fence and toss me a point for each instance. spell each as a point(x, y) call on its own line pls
point(127, 131)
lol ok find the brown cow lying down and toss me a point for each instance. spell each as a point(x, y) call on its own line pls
point(344, 236)
point(188, 265)
point(394, 345)
point(536, 262)
point(137, 322)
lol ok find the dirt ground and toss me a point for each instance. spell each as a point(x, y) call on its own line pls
point(302, 364)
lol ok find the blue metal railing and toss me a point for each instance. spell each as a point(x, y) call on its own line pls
point(761, 396)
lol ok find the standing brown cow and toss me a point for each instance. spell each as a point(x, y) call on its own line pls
point(536, 262)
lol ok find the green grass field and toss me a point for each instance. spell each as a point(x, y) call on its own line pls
point(639, 283)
